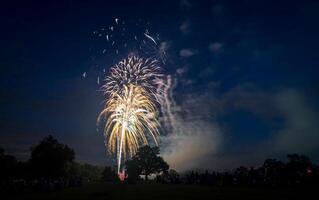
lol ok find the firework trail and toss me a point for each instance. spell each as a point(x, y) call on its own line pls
point(165, 88)
point(130, 109)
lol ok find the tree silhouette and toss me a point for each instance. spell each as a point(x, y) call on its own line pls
point(297, 168)
point(8, 166)
point(241, 174)
point(274, 171)
point(1, 151)
point(147, 161)
point(173, 176)
point(50, 159)
point(109, 174)
point(90, 172)
point(133, 170)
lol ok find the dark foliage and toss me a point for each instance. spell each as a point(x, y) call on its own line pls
point(50, 159)
point(171, 176)
point(298, 171)
point(145, 162)
point(133, 170)
point(50, 167)
point(109, 174)
point(8, 166)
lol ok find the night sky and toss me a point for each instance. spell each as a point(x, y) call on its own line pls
point(246, 75)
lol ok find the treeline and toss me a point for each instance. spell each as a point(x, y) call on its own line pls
point(297, 171)
point(50, 167)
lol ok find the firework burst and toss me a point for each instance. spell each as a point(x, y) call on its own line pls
point(130, 110)
point(133, 70)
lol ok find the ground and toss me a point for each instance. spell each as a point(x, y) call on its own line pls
point(165, 191)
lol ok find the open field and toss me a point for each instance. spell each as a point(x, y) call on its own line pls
point(165, 191)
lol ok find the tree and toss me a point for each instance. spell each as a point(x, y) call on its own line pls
point(1, 151)
point(146, 161)
point(297, 167)
point(90, 172)
point(8, 166)
point(133, 170)
point(50, 159)
point(241, 175)
point(273, 170)
point(173, 176)
point(109, 174)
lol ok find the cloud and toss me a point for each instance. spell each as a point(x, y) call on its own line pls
point(300, 133)
point(217, 9)
point(195, 138)
point(180, 71)
point(299, 130)
point(215, 46)
point(185, 27)
point(201, 140)
point(193, 146)
point(191, 137)
point(185, 4)
point(187, 53)
point(249, 97)
point(207, 72)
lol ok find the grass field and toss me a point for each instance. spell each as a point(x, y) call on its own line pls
point(164, 191)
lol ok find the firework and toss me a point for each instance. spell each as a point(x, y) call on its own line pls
point(133, 70)
point(131, 106)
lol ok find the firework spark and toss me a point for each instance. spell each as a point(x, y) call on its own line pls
point(131, 106)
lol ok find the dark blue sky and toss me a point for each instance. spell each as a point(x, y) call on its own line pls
point(248, 69)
